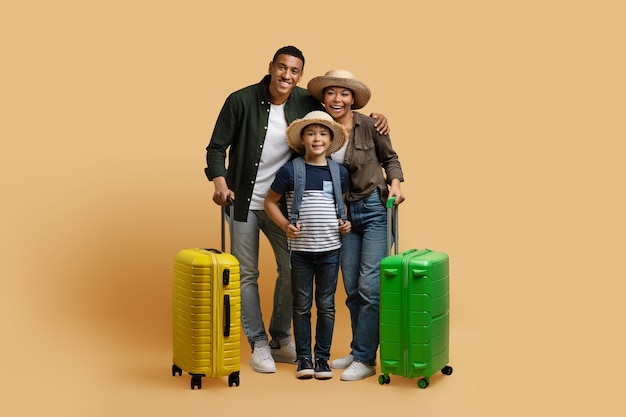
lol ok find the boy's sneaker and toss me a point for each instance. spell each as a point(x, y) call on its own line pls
point(322, 370)
point(284, 352)
point(357, 371)
point(305, 368)
point(342, 363)
point(262, 361)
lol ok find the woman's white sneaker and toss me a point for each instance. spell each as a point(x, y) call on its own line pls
point(342, 363)
point(357, 371)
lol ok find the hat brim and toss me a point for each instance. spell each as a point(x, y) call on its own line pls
point(360, 91)
point(295, 129)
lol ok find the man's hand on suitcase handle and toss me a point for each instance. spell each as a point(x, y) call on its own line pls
point(222, 195)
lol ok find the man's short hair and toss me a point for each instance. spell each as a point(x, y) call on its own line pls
point(290, 50)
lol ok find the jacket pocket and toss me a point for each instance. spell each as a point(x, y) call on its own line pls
point(364, 152)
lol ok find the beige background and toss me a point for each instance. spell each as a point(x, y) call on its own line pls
point(509, 120)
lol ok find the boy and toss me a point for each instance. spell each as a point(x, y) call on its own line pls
point(314, 236)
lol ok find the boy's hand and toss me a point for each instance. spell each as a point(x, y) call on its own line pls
point(344, 227)
point(292, 231)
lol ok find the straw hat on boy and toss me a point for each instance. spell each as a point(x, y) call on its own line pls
point(294, 131)
point(340, 78)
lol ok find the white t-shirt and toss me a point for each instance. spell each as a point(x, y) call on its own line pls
point(276, 152)
point(340, 155)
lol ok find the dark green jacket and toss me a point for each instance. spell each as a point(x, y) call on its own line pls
point(240, 130)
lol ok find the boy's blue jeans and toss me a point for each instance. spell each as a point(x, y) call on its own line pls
point(362, 250)
point(314, 273)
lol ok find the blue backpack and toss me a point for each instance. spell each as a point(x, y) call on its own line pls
point(299, 181)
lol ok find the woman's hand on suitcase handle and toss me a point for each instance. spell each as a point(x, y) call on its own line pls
point(395, 191)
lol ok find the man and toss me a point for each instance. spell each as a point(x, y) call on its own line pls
point(251, 127)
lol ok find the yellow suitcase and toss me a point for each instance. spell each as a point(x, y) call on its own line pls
point(206, 314)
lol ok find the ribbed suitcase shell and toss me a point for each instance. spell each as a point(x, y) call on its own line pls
point(414, 310)
point(414, 315)
point(206, 315)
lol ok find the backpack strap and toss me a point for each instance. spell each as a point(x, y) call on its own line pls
point(299, 181)
point(336, 179)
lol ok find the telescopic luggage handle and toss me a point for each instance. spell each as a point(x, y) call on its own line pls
point(223, 227)
point(392, 226)
point(226, 277)
point(230, 224)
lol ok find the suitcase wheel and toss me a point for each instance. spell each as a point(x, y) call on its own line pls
point(447, 370)
point(233, 379)
point(383, 379)
point(196, 381)
point(423, 383)
point(176, 370)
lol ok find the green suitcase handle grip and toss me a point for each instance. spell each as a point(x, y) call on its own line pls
point(390, 202)
point(419, 273)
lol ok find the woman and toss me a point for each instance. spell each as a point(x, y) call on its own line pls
point(363, 154)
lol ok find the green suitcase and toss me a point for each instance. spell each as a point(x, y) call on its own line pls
point(414, 311)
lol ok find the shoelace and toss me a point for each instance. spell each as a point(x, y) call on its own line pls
point(264, 352)
point(359, 365)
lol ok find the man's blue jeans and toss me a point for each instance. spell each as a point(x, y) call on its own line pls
point(307, 269)
point(361, 253)
point(245, 247)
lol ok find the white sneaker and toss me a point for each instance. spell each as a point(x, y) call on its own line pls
point(342, 363)
point(262, 361)
point(284, 352)
point(357, 371)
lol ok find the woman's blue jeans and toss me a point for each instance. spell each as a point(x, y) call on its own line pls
point(361, 253)
point(309, 270)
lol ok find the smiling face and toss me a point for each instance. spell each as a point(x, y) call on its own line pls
point(316, 139)
point(338, 101)
point(286, 72)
